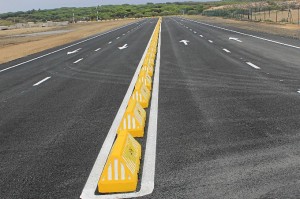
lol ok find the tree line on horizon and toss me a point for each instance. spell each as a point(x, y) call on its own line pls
point(107, 12)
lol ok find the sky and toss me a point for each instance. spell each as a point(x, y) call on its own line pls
point(24, 5)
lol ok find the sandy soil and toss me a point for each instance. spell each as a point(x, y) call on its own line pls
point(17, 43)
point(288, 30)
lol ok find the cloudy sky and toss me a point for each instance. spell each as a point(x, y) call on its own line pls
point(24, 5)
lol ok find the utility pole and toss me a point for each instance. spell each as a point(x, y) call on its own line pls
point(298, 15)
point(97, 13)
point(73, 16)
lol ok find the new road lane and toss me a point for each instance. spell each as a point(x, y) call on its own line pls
point(228, 120)
point(56, 110)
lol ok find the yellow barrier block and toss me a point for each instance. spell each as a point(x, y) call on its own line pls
point(140, 97)
point(120, 173)
point(143, 89)
point(133, 120)
point(148, 69)
point(146, 79)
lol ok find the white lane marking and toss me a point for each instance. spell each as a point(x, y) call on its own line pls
point(98, 49)
point(298, 91)
point(191, 29)
point(78, 61)
point(210, 41)
point(147, 184)
point(124, 34)
point(110, 42)
point(74, 51)
point(249, 35)
point(118, 37)
point(226, 50)
point(123, 47)
point(39, 57)
point(201, 35)
point(253, 65)
point(235, 39)
point(43, 80)
point(184, 41)
point(195, 32)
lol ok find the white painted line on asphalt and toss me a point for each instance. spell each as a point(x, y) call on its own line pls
point(253, 65)
point(43, 80)
point(195, 32)
point(191, 29)
point(147, 183)
point(118, 37)
point(298, 91)
point(226, 50)
point(98, 49)
point(124, 34)
point(249, 35)
point(74, 51)
point(201, 35)
point(110, 42)
point(210, 41)
point(39, 57)
point(78, 61)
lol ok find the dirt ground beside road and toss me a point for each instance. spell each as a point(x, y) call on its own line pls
point(287, 30)
point(18, 43)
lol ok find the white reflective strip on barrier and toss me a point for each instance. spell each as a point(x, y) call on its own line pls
point(116, 169)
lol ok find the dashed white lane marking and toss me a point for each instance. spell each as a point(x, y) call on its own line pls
point(298, 91)
point(201, 35)
point(249, 35)
point(123, 34)
point(31, 60)
point(40, 82)
point(78, 61)
point(226, 50)
point(191, 29)
point(110, 42)
point(210, 41)
point(147, 183)
point(253, 65)
point(195, 32)
point(98, 49)
point(118, 37)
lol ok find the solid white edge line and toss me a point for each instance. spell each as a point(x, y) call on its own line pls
point(241, 33)
point(226, 50)
point(43, 80)
point(78, 61)
point(39, 57)
point(89, 189)
point(253, 65)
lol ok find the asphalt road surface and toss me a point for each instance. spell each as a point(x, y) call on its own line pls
point(227, 129)
point(228, 114)
point(50, 134)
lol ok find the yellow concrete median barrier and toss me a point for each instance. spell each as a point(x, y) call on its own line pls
point(143, 89)
point(133, 120)
point(140, 97)
point(145, 78)
point(148, 69)
point(120, 173)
